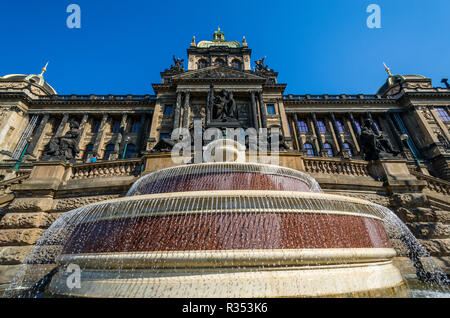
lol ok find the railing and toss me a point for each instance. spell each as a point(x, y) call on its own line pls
point(433, 184)
point(6, 184)
point(332, 97)
point(98, 97)
point(336, 166)
point(117, 168)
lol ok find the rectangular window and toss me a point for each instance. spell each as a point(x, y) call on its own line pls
point(340, 126)
point(321, 126)
point(115, 126)
point(443, 114)
point(271, 109)
point(164, 136)
point(168, 110)
point(303, 126)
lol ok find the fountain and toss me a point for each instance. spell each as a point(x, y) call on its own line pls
point(219, 230)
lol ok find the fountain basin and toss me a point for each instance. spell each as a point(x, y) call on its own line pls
point(229, 244)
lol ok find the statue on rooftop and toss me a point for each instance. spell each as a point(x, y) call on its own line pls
point(178, 65)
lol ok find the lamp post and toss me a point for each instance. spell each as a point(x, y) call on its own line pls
point(127, 139)
point(19, 161)
point(404, 138)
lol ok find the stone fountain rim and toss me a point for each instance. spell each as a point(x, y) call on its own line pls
point(295, 173)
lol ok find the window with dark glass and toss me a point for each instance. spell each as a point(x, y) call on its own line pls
point(164, 136)
point(375, 123)
point(329, 149)
point(108, 150)
point(321, 126)
point(236, 64)
point(115, 128)
point(88, 151)
point(303, 125)
point(220, 62)
point(348, 148)
point(131, 149)
point(136, 125)
point(443, 114)
point(202, 64)
point(271, 109)
point(168, 110)
point(95, 126)
point(340, 126)
point(358, 125)
point(309, 149)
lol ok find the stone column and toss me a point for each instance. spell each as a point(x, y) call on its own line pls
point(38, 135)
point(394, 132)
point(262, 110)
point(353, 131)
point(337, 133)
point(316, 129)
point(100, 134)
point(140, 134)
point(176, 117)
point(62, 125)
point(355, 128)
point(118, 145)
point(82, 128)
point(254, 111)
point(186, 109)
point(298, 133)
point(374, 127)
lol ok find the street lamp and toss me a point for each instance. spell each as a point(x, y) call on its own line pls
point(127, 139)
point(19, 161)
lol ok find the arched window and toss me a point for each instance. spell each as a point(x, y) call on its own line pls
point(88, 151)
point(236, 64)
point(309, 149)
point(219, 61)
point(329, 149)
point(108, 150)
point(348, 148)
point(131, 149)
point(202, 63)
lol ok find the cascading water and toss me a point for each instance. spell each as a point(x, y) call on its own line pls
point(221, 230)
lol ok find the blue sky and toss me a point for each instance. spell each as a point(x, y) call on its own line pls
point(317, 46)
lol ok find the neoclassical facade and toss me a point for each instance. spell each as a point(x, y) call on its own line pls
point(130, 134)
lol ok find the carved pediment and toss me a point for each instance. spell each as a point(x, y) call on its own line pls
point(217, 72)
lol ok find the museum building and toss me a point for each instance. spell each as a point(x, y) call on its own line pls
point(47, 141)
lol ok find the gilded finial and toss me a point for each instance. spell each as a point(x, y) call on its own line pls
point(193, 41)
point(218, 28)
point(44, 69)
point(387, 69)
point(244, 41)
